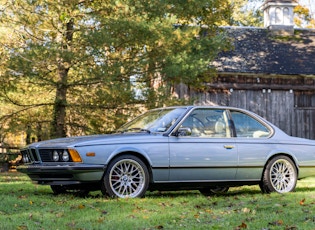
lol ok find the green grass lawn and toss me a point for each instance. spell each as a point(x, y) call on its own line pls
point(28, 206)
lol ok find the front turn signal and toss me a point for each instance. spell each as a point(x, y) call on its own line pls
point(75, 156)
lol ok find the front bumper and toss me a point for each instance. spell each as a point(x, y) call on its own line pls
point(66, 174)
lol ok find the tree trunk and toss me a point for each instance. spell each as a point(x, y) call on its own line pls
point(58, 125)
point(59, 112)
point(28, 134)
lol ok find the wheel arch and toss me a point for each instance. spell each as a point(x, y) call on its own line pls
point(294, 160)
point(137, 154)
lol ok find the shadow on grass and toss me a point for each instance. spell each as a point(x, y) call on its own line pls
point(305, 189)
point(14, 178)
point(249, 190)
point(233, 192)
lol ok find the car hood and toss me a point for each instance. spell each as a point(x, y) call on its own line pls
point(94, 140)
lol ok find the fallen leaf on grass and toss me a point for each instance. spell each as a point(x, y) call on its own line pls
point(182, 216)
point(59, 214)
point(276, 223)
point(302, 201)
point(312, 219)
point(163, 204)
point(103, 212)
point(71, 225)
point(306, 210)
point(246, 210)
point(242, 226)
point(80, 206)
point(137, 209)
point(101, 220)
point(208, 211)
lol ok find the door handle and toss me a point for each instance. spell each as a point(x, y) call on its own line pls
point(229, 146)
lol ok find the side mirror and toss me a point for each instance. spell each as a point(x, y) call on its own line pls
point(183, 131)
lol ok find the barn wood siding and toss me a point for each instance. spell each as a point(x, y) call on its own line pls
point(292, 110)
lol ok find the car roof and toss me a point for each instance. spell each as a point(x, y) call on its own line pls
point(203, 106)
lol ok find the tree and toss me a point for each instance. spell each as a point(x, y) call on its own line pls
point(304, 16)
point(245, 13)
point(248, 13)
point(70, 62)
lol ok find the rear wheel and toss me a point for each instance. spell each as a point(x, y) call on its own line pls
point(126, 176)
point(217, 190)
point(279, 176)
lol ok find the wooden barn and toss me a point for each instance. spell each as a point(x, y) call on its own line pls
point(270, 71)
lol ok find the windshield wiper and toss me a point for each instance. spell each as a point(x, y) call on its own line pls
point(135, 130)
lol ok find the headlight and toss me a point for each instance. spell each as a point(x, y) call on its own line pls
point(65, 155)
point(25, 159)
point(55, 155)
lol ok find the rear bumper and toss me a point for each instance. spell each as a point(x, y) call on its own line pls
point(53, 174)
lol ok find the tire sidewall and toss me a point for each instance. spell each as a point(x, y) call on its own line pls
point(266, 185)
point(106, 184)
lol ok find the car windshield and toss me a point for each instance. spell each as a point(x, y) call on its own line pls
point(159, 120)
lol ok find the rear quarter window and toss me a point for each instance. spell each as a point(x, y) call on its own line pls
point(247, 126)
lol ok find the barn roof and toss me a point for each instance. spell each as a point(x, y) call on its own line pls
point(260, 51)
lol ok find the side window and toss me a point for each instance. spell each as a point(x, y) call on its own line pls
point(246, 126)
point(208, 123)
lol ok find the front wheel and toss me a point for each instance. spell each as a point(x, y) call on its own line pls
point(59, 189)
point(126, 176)
point(280, 175)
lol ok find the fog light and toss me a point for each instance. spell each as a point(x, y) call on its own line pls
point(55, 155)
point(65, 155)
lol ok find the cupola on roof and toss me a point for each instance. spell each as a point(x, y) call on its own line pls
point(278, 14)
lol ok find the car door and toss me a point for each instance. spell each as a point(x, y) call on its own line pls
point(253, 143)
point(203, 149)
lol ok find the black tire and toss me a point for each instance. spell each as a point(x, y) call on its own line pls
point(214, 191)
point(126, 176)
point(59, 189)
point(280, 175)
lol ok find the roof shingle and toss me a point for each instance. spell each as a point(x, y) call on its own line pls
point(260, 51)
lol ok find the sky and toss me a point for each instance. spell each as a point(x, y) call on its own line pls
point(308, 3)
